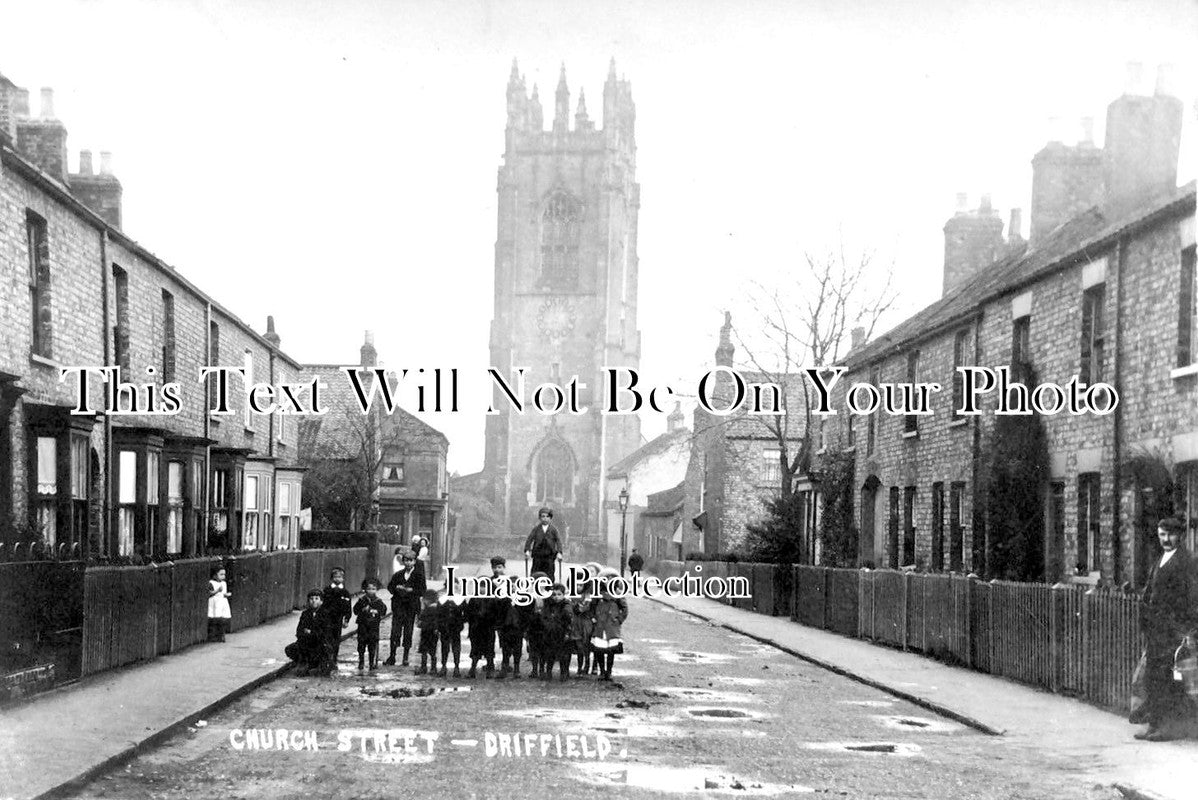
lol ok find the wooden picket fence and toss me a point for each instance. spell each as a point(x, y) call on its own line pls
point(1065, 639)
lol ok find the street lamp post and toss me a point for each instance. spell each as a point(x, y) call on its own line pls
point(623, 530)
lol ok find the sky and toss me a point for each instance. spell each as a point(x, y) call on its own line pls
point(333, 164)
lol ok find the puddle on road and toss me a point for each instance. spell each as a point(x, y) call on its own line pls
point(726, 713)
point(699, 659)
point(869, 703)
point(740, 681)
point(404, 691)
point(708, 695)
point(924, 724)
point(679, 779)
point(622, 723)
point(868, 748)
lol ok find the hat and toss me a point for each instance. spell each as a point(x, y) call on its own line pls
point(315, 593)
point(546, 510)
point(366, 584)
point(405, 552)
point(498, 561)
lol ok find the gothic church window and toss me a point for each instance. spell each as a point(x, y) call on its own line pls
point(553, 473)
point(561, 232)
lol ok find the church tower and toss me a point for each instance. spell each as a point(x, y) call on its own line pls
point(565, 305)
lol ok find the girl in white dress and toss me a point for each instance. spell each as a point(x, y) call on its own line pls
point(218, 606)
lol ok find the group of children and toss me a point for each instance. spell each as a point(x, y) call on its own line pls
point(557, 629)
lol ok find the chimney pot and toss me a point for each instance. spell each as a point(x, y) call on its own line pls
point(1135, 77)
point(1015, 229)
point(47, 103)
point(1087, 131)
point(1164, 79)
point(85, 162)
point(984, 207)
point(370, 337)
point(858, 337)
point(105, 162)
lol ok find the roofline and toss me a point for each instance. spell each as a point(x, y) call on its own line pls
point(9, 155)
point(1129, 228)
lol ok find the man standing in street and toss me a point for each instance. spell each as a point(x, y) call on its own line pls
point(636, 562)
point(544, 544)
point(1167, 616)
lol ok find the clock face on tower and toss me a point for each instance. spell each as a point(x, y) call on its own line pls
point(555, 319)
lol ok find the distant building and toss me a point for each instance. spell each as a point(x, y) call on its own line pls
point(734, 467)
point(566, 273)
point(84, 293)
point(1104, 290)
point(653, 467)
point(396, 460)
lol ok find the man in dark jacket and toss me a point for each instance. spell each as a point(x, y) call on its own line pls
point(544, 545)
point(636, 562)
point(1169, 613)
point(406, 587)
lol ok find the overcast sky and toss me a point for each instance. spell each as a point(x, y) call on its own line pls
point(334, 163)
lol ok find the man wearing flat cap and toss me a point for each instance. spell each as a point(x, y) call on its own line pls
point(544, 544)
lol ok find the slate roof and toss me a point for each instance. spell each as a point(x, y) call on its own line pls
point(667, 501)
point(646, 451)
point(1081, 239)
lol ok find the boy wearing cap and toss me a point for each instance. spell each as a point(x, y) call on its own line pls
point(339, 604)
point(544, 544)
point(483, 613)
point(427, 622)
point(406, 587)
point(369, 611)
point(311, 648)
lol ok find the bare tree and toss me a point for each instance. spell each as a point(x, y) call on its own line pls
point(807, 323)
point(345, 455)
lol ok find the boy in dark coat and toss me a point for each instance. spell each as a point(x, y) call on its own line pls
point(580, 629)
point(555, 618)
point(369, 611)
point(483, 614)
point(530, 621)
point(311, 651)
point(450, 621)
point(406, 587)
point(430, 611)
point(516, 622)
point(340, 605)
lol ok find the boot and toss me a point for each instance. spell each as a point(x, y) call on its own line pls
point(473, 673)
point(390, 662)
point(457, 673)
point(405, 657)
point(443, 672)
point(361, 663)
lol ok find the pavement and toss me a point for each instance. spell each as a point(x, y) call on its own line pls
point(58, 741)
point(1099, 741)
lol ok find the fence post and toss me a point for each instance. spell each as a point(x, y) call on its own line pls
point(968, 648)
point(1054, 638)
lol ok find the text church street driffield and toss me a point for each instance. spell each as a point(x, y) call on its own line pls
point(766, 518)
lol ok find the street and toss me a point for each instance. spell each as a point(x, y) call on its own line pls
point(693, 707)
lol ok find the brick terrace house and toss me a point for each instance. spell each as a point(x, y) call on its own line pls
point(734, 467)
point(1104, 290)
point(410, 487)
point(78, 291)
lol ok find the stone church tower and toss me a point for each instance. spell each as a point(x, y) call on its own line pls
point(565, 305)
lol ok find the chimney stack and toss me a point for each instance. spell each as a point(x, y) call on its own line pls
point(101, 193)
point(1143, 139)
point(43, 140)
point(972, 242)
point(858, 337)
point(8, 110)
point(1015, 228)
point(270, 334)
point(1066, 180)
point(369, 356)
point(676, 420)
